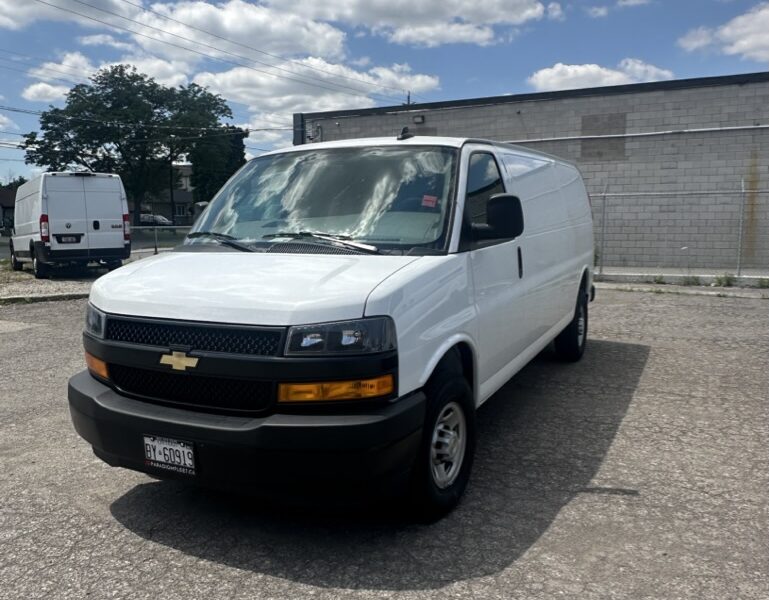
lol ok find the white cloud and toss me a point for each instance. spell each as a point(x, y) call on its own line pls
point(639, 71)
point(16, 14)
point(630, 70)
point(44, 92)
point(745, 35)
point(280, 32)
point(103, 39)
point(7, 122)
point(696, 39)
point(555, 12)
point(73, 65)
point(430, 36)
point(170, 73)
point(624, 3)
point(597, 12)
point(410, 22)
point(264, 94)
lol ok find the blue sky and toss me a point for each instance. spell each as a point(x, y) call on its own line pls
point(308, 55)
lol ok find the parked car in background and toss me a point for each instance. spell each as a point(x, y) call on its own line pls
point(156, 220)
point(337, 315)
point(70, 218)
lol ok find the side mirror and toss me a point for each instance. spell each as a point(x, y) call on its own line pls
point(504, 216)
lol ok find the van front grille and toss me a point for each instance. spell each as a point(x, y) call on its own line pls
point(207, 394)
point(211, 338)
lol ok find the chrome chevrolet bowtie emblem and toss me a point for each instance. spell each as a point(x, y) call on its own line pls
point(179, 361)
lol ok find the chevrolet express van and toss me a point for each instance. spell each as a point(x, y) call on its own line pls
point(70, 218)
point(336, 317)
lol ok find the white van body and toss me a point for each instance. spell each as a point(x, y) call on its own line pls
point(86, 216)
point(492, 306)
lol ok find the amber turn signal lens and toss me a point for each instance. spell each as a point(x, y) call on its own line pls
point(96, 366)
point(336, 390)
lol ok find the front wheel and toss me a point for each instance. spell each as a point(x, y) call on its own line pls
point(445, 456)
point(570, 343)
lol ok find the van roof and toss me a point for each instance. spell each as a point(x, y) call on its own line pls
point(79, 174)
point(451, 142)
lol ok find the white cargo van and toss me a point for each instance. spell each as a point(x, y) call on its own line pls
point(70, 217)
point(336, 317)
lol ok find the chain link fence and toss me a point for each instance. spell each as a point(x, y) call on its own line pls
point(682, 232)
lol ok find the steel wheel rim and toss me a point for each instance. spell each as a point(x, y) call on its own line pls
point(581, 325)
point(448, 445)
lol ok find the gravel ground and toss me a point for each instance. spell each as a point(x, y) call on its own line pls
point(641, 472)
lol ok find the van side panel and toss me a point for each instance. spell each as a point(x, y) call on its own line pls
point(546, 241)
point(27, 210)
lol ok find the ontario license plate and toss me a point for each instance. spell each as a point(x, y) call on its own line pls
point(69, 239)
point(170, 455)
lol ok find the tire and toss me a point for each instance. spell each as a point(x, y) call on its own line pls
point(39, 269)
point(570, 343)
point(114, 264)
point(437, 482)
point(16, 265)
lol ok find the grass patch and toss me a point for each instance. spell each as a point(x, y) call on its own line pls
point(763, 283)
point(658, 279)
point(690, 280)
point(725, 280)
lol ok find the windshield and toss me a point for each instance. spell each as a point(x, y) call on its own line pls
point(391, 197)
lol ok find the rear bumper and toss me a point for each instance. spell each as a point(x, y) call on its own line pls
point(46, 255)
point(276, 453)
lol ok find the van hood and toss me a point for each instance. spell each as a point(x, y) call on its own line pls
point(245, 288)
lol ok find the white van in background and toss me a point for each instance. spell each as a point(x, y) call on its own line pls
point(336, 316)
point(70, 218)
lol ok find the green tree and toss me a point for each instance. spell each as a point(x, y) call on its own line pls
point(13, 183)
point(214, 159)
point(124, 122)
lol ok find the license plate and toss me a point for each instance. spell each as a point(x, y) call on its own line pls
point(69, 239)
point(168, 454)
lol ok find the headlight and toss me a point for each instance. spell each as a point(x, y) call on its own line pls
point(94, 322)
point(364, 336)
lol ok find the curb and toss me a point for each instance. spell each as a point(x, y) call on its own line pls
point(694, 280)
point(48, 298)
point(749, 293)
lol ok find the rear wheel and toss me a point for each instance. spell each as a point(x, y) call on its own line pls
point(38, 268)
point(16, 264)
point(445, 456)
point(570, 343)
point(114, 264)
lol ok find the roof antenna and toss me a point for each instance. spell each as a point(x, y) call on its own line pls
point(405, 134)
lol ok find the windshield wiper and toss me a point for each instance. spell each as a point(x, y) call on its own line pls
point(223, 239)
point(342, 240)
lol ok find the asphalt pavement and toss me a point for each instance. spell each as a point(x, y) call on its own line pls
point(641, 472)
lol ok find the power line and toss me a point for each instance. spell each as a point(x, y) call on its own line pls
point(26, 72)
point(359, 92)
point(276, 56)
point(28, 111)
point(240, 56)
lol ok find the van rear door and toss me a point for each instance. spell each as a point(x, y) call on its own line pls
point(64, 196)
point(104, 207)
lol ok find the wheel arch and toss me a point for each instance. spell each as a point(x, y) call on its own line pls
point(459, 348)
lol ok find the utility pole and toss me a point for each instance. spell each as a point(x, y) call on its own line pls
point(171, 179)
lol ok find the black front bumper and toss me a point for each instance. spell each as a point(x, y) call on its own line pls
point(48, 256)
point(375, 446)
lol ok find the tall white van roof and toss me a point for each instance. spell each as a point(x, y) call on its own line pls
point(78, 174)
